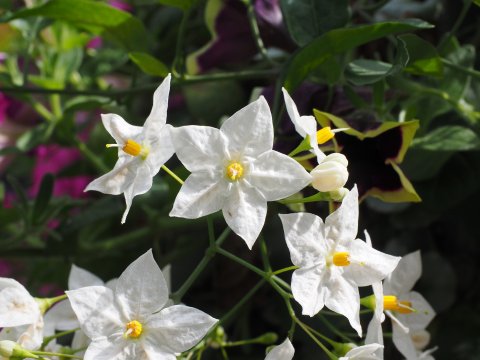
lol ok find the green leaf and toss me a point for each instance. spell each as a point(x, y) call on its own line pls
point(476, 2)
point(339, 41)
point(449, 138)
point(182, 4)
point(148, 64)
point(114, 24)
point(424, 58)
point(32, 138)
point(85, 103)
point(43, 197)
point(307, 19)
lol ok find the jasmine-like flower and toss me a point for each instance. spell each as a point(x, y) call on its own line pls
point(131, 321)
point(332, 263)
point(235, 169)
point(284, 351)
point(17, 306)
point(141, 150)
point(364, 352)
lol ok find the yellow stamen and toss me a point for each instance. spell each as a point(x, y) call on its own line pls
point(132, 148)
point(134, 329)
point(390, 302)
point(324, 134)
point(234, 171)
point(341, 258)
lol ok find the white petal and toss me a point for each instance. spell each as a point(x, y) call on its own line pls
point(277, 176)
point(161, 149)
point(367, 264)
point(62, 317)
point(345, 299)
point(80, 341)
point(95, 310)
point(423, 314)
point(17, 306)
point(365, 352)
point(141, 183)
point(309, 290)
point(250, 130)
point(305, 238)
point(178, 328)
point(374, 331)
point(141, 289)
point(120, 130)
point(119, 179)
point(406, 274)
point(284, 351)
point(111, 348)
point(342, 224)
point(199, 147)
point(79, 278)
point(155, 352)
point(203, 193)
point(32, 337)
point(403, 342)
point(245, 211)
point(158, 115)
point(305, 125)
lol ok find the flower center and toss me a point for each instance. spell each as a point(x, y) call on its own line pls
point(234, 171)
point(324, 134)
point(341, 258)
point(390, 302)
point(132, 148)
point(134, 329)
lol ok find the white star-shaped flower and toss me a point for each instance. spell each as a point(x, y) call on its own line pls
point(284, 351)
point(235, 169)
point(141, 150)
point(132, 322)
point(364, 352)
point(409, 311)
point(332, 263)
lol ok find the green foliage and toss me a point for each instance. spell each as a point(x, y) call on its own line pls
point(148, 64)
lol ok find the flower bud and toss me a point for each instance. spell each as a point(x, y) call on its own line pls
point(339, 194)
point(331, 174)
point(10, 349)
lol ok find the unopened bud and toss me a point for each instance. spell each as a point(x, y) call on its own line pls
point(267, 338)
point(339, 194)
point(331, 174)
point(10, 349)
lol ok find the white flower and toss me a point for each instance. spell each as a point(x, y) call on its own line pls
point(131, 321)
point(235, 169)
point(332, 263)
point(364, 352)
point(412, 313)
point(331, 174)
point(142, 150)
point(284, 351)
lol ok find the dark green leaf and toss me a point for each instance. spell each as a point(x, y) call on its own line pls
point(363, 71)
point(338, 41)
point(449, 138)
point(148, 64)
point(85, 103)
point(424, 58)
point(43, 197)
point(476, 2)
point(114, 24)
point(32, 138)
point(307, 19)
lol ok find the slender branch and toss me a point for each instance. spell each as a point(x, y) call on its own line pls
point(173, 175)
point(456, 26)
point(252, 20)
point(315, 339)
point(241, 262)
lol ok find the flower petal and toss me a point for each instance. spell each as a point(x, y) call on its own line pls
point(178, 328)
point(142, 182)
point(277, 176)
point(199, 147)
point(403, 342)
point(344, 299)
point(119, 129)
point(284, 351)
point(309, 290)
point(158, 115)
point(367, 264)
point(365, 352)
point(305, 238)
point(244, 211)
point(141, 289)
point(18, 306)
point(79, 278)
point(374, 331)
point(342, 225)
point(111, 348)
point(203, 193)
point(250, 130)
point(155, 352)
point(161, 149)
point(423, 314)
point(406, 274)
point(62, 317)
point(95, 310)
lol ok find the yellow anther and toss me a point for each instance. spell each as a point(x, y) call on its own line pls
point(324, 134)
point(391, 302)
point(134, 329)
point(132, 148)
point(341, 258)
point(234, 171)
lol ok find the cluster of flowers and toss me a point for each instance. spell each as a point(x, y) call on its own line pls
point(233, 169)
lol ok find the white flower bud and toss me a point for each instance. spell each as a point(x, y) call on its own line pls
point(339, 194)
point(10, 349)
point(331, 174)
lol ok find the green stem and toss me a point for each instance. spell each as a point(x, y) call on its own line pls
point(465, 70)
point(209, 254)
point(252, 20)
point(315, 339)
point(56, 104)
point(304, 157)
point(42, 111)
point(264, 252)
point(456, 26)
point(211, 232)
point(45, 353)
point(333, 329)
point(280, 271)
point(173, 175)
point(178, 66)
point(241, 262)
point(320, 335)
point(92, 157)
point(47, 339)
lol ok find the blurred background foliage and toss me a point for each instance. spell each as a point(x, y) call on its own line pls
point(369, 63)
